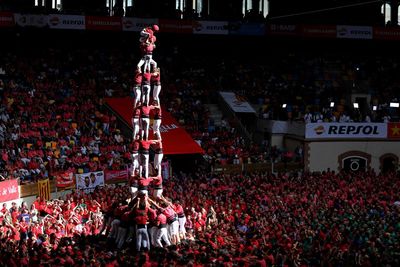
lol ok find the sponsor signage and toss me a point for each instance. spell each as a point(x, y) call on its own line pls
point(386, 33)
point(71, 22)
point(238, 28)
point(39, 21)
point(236, 103)
point(346, 130)
point(354, 32)
point(282, 29)
point(121, 175)
point(6, 19)
point(175, 139)
point(103, 23)
point(319, 31)
point(137, 24)
point(65, 179)
point(394, 130)
point(9, 190)
point(176, 26)
point(89, 181)
point(211, 27)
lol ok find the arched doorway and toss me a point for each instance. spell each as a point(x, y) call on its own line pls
point(389, 162)
point(354, 161)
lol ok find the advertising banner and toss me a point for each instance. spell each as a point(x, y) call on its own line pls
point(39, 21)
point(44, 189)
point(89, 181)
point(282, 29)
point(175, 26)
point(175, 139)
point(137, 24)
point(394, 130)
point(6, 19)
point(65, 179)
point(381, 33)
point(239, 28)
point(319, 31)
point(121, 175)
point(103, 23)
point(211, 27)
point(9, 190)
point(237, 103)
point(346, 130)
point(353, 32)
point(71, 22)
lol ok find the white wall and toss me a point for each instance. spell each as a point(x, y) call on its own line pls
point(325, 155)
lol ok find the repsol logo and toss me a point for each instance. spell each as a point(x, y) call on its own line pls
point(73, 22)
point(353, 130)
point(215, 28)
point(360, 32)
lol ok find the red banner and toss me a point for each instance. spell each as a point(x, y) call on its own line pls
point(6, 19)
point(65, 179)
point(386, 33)
point(175, 139)
point(9, 190)
point(319, 31)
point(116, 175)
point(393, 130)
point(176, 26)
point(103, 23)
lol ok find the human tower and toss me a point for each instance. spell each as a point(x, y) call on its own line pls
point(146, 105)
point(158, 221)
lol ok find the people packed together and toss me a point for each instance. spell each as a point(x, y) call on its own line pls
point(53, 118)
point(254, 219)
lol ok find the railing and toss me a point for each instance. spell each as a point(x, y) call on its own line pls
point(258, 167)
point(27, 190)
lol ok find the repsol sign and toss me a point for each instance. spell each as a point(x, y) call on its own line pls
point(355, 130)
point(346, 130)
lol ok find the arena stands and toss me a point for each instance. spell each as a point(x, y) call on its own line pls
point(53, 118)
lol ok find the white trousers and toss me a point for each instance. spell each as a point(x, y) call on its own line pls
point(156, 127)
point(153, 235)
point(157, 162)
point(135, 126)
point(135, 162)
point(145, 128)
point(145, 94)
point(156, 92)
point(162, 234)
point(144, 165)
point(138, 93)
point(182, 222)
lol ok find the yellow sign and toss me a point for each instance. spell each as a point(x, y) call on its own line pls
point(44, 189)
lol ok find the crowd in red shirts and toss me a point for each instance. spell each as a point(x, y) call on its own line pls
point(52, 119)
point(345, 219)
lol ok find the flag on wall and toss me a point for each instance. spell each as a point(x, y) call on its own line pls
point(44, 189)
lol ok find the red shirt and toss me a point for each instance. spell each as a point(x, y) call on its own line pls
point(145, 145)
point(161, 219)
point(136, 113)
point(138, 78)
point(141, 217)
point(144, 182)
point(157, 181)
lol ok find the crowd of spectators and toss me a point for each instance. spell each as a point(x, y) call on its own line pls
point(253, 219)
point(53, 117)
